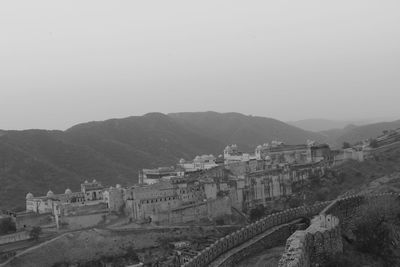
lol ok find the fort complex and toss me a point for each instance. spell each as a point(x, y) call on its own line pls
point(205, 189)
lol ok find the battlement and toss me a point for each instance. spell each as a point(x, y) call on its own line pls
point(323, 236)
point(206, 256)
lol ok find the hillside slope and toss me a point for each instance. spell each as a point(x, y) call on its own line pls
point(354, 134)
point(319, 125)
point(245, 131)
point(113, 151)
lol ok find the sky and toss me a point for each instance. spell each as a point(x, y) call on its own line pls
point(66, 62)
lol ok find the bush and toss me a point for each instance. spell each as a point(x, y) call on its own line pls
point(375, 234)
point(35, 233)
point(257, 213)
point(7, 226)
point(346, 145)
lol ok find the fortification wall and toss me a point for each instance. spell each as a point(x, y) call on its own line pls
point(19, 236)
point(311, 245)
point(307, 248)
point(223, 245)
point(276, 237)
point(82, 221)
point(30, 219)
point(211, 209)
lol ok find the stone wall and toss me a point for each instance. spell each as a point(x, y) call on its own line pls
point(223, 245)
point(311, 245)
point(82, 221)
point(19, 236)
point(307, 248)
point(26, 220)
point(211, 209)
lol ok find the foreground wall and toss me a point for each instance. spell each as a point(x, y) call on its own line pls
point(223, 245)
point(26, 220)
point(310, 246)
point(323, 237)
point(19, 236)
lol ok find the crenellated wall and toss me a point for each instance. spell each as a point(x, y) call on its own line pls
point(311, 245)
point(223, 245)
point(307, 248)
point(15, 237)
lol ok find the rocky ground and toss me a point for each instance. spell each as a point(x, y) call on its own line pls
point(78, 248)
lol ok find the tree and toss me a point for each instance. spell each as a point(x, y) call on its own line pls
point(376, 235)
point(7, 226)
point(35, 233)
point(373, 143)
point(346, 145)
point(257, 213)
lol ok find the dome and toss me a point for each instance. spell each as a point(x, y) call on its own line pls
point(86, 182)
point(68, 191)
point(118, 186)
point(94, 181)
point(50, 193)
point(29, 196)
point(182, 161)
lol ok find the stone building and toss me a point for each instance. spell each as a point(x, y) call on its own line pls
point(232, 155)
point(91, 193)
point(278, 152)
point(204, 162)
point(152, 176)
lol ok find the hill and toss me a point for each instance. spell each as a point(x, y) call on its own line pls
point(319, 125)
point(113, 151)
point(353, 134)
point(245, 131)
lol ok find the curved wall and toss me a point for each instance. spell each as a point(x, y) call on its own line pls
point(223, 245)
point(306, 248)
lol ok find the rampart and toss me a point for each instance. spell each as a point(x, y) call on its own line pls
point(323, 237)
point(311, 245)
point(15, 237)
point(223, 245)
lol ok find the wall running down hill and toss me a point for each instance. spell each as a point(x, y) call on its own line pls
point(323, 237)
point(226, 243)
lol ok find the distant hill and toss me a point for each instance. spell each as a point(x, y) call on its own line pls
point(353, 134)
point(319, 125)
point(245, 131)
point(113, 151)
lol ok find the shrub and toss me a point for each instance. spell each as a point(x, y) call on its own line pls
point(7, 226)
point(35, 233)
point(375, 234)
point(257, 213)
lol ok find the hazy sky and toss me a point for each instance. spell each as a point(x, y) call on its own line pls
point(64, 62)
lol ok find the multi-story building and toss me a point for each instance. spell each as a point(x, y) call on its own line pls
point(204, 162)
point(152, 176)
point(91, 193)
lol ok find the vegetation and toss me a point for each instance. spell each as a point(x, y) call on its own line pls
point(130, 257)
point(36, 159)
point(257, 213)
point(375, 234)
point(374, 240)
point(6, 226)
point(35, 233)
point(346, 145)
point(373, 143)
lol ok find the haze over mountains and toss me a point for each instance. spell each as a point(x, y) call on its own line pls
point(319, 124)
point(113, 151)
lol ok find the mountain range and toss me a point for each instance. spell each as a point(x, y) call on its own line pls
point(113, 151)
